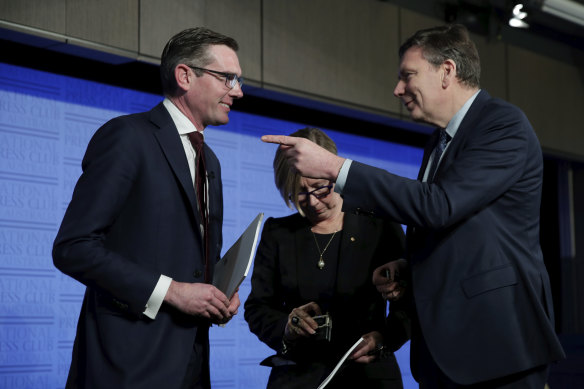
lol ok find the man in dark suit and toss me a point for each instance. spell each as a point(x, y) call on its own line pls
point(482, 293)
point(135, 234)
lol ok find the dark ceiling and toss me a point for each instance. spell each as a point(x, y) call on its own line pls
point(490, 18)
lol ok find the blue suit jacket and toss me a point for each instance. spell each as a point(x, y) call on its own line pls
point(133, 216)
point(481, 289)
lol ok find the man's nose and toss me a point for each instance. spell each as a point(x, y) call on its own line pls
point(399, 89)
point(236, 92)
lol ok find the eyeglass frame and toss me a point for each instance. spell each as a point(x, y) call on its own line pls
point(317, 196)
point(227, 76)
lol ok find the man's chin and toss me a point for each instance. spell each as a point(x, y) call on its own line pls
point(221, 122)
point(417, 117)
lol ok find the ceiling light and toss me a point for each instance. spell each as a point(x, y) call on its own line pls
point(517, 19)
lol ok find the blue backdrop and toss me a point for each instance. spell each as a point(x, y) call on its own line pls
point(46, 121)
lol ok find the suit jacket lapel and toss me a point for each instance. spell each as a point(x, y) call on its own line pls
point(464, 129)
point(355, 229)
point(171, 145)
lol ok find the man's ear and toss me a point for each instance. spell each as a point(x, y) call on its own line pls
point(448, 73)
point(183, 76)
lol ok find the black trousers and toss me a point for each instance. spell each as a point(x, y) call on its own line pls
point(380, 374)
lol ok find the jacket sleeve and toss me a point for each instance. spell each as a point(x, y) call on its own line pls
point(110, 166)
point(486, 158)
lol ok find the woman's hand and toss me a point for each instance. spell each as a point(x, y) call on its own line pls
point(300, 323)
point(369, 349)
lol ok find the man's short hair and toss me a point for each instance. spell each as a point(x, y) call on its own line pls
point(190, 47)
point(448, 42)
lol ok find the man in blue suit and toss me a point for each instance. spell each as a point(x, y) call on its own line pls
point(483, 308)
point(135, 235)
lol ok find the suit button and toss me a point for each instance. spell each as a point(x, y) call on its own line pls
point(198, 274)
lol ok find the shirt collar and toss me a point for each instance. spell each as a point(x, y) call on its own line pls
point(182, 123)
point(454, 123)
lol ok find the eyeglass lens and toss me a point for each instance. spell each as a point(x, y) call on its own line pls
point(318, 192)
point(231, 80)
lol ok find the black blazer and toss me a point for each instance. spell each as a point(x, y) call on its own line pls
point(133, 217)
point(281, 281)
point(481, 289)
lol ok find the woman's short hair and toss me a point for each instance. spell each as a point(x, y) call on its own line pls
point(286, 178)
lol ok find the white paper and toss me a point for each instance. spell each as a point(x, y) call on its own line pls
point(232, 269)
point(338, 366)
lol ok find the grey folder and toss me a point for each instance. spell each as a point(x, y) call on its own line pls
point(232, 269)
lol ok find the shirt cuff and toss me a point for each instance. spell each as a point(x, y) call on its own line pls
point(342, 177)
point(157, 297)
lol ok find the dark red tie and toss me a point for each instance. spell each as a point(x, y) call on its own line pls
point(196, 139)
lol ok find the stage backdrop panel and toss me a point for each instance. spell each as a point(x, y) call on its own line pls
point(46, 121)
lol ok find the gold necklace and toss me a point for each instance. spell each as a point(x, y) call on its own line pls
point(320, 263)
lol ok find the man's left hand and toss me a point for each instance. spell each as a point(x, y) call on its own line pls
point(387, 280)
point(308, 158)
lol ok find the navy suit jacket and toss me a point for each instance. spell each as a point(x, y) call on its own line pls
point(133, 216)
point(284, 278)
point(480, 286)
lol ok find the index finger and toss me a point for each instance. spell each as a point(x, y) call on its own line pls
point(311, 308)
point(279, 139)
point(362, 349)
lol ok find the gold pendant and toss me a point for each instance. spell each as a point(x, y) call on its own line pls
point(320, 263)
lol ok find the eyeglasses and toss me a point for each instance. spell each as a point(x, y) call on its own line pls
point(230, 79)
point(319, 193)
